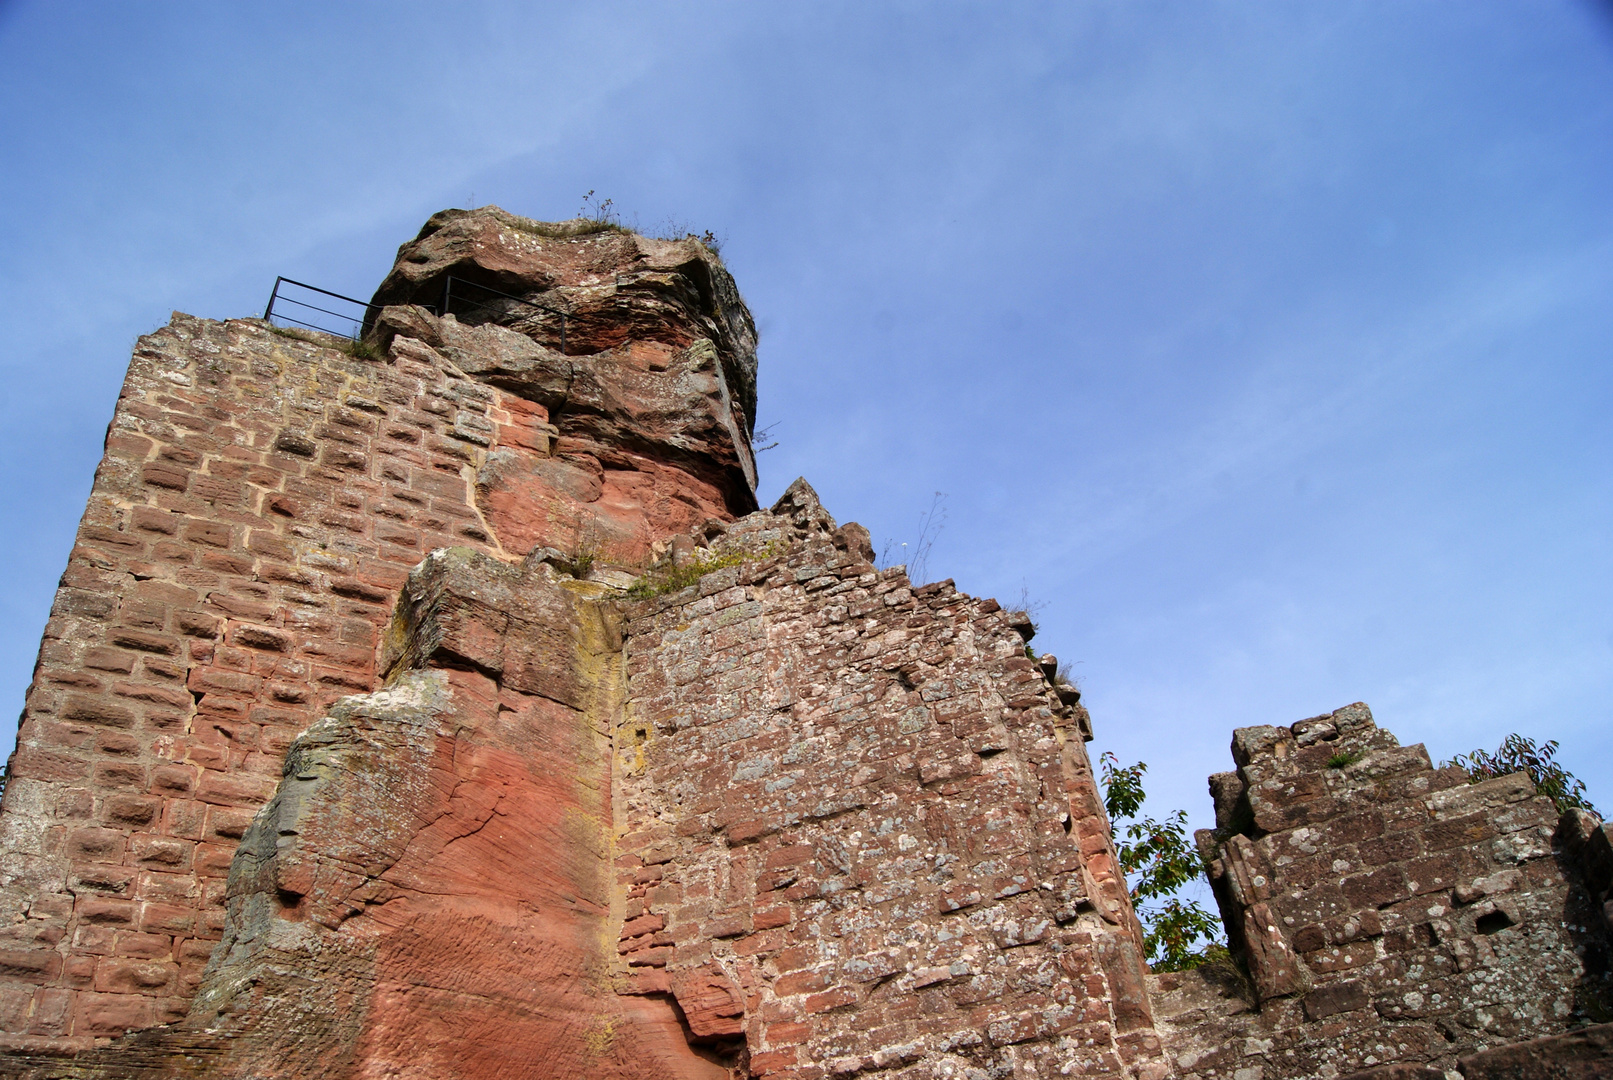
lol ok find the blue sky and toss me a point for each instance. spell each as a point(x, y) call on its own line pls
point(1264, 346)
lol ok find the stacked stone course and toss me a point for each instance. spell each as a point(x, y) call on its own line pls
point(261, 501)
point(1387, 911)
point(834, 840)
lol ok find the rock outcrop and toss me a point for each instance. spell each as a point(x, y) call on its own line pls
point(443, 706)
point(429, 892)
point(666, 368)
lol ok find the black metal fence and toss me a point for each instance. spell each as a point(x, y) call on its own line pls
point(310, 307)
point(314, 308)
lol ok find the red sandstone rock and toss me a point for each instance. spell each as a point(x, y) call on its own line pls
point(711, 1001)
point(644, 442)
point(430, 892)
point(1586, 1054)
point(262, 499)
point(658, 336)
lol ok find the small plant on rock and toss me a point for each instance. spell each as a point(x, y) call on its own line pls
point(357, 348)
point(762, 438)
point(670, 577)
point(1344, 759)
point(586, 548)
point(917, 557)
point(580, 563)
point(598, 210)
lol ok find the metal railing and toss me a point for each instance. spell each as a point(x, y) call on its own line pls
point(320, 316)
point(315, 316)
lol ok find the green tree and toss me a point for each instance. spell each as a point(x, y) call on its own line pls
point(1159, 861)
point(1518, 754)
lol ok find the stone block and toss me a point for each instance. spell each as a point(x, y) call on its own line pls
point(1574, 1055)
point(1335, 998)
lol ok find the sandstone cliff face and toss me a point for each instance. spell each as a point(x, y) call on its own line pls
point(621, 449)
point(429, 893)
point(350, 755)
point(612, 285)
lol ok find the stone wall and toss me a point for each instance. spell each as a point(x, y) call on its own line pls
point(797, 819)
point(865, 835)
point(1385, 911)
point(261, 501)
point(430, 892)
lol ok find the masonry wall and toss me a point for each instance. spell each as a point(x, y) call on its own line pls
point(261, 501)
point(798, 819)
point(865, 835)
point(1385, 912)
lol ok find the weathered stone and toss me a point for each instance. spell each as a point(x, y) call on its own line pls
point(1335, 998)
point(264, 497)
point(1432, 917)
point(1398, 1072)
point(614, 287)
point(801, 766)
point(1574, 1055)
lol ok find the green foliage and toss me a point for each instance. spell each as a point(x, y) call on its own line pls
point(580, 563)
point(365, 350)
point(586, 548)
point(670, 578)
point(1159, 861)
point(1518, 754)
point(1343, 759)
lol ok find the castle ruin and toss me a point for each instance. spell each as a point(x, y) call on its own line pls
point(444, 705)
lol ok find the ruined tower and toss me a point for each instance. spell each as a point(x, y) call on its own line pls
point(442, 704)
